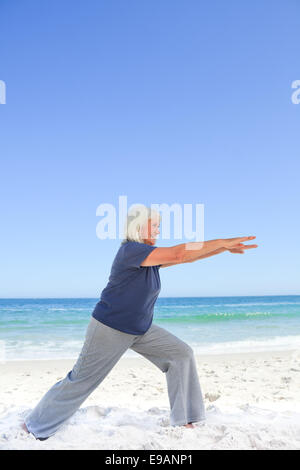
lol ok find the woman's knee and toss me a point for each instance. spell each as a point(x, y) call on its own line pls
point(185, 352)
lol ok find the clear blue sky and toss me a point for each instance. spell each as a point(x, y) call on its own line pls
point(163, 101)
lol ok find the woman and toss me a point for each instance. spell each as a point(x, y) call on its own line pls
point(122, 319)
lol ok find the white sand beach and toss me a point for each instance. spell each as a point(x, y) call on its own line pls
point(252, 402)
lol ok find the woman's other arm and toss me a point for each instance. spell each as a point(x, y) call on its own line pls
point(213, 253)
point(188, 252)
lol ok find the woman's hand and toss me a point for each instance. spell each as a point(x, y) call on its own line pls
point(235, 243)
point(240, 248)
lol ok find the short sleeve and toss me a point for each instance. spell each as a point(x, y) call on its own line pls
point(134, 253)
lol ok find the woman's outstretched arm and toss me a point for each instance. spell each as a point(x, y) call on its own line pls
point(191, 251)
point(212, 253)
point(188, 252)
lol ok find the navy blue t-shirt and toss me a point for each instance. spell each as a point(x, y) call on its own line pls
point(127, 302)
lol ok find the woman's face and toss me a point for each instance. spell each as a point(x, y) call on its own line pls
point(150, 231)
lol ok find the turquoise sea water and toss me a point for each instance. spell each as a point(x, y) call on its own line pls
point(55, 328)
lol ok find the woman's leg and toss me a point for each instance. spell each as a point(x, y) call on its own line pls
point(102, 349)
point(176, 358)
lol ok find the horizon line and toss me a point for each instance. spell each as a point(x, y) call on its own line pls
point(163, 297)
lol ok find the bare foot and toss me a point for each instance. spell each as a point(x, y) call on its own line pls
point(24, 427)
point(189, 425)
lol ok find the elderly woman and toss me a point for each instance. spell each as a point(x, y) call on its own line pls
point(122, 319)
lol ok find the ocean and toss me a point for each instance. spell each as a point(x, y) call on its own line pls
point(55, 328)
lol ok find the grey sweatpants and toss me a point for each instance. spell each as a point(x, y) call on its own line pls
point(102, 349)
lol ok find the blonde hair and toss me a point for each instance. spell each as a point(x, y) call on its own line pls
point(137, 217)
